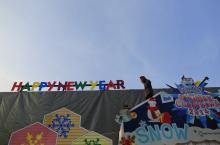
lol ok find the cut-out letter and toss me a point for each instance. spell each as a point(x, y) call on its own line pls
point(17, 86)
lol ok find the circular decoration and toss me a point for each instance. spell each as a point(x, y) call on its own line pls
point(133, 115)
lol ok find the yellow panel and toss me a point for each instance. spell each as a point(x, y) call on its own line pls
point(92, 138)
point(71, 118)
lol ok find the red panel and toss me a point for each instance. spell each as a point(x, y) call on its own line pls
point(35, 134)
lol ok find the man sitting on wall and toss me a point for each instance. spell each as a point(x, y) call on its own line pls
point(148, 90)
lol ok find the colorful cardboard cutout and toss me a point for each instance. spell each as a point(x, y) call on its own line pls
point(66, 123)
point(35, 134)
point(188, 114)
point(92, 138)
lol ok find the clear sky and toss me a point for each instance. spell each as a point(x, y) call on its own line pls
point(43, 40)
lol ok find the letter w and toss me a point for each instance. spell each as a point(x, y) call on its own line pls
point(181, 133)
point(80, 85)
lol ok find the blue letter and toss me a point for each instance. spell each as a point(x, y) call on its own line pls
point(101, 85)
point(142, 135)
point(42, 85)
point(154, 133)
point(167, 131)
point(181, 133)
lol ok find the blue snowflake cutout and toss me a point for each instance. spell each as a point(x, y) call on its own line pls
point(142, 124)
point(62, 125)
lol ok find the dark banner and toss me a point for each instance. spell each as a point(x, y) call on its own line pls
point(96, 108)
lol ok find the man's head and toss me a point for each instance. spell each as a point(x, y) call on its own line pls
point(143, 79)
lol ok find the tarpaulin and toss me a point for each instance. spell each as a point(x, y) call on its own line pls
point(97, 109)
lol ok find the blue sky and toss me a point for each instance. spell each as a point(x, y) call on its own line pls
point(95, 40)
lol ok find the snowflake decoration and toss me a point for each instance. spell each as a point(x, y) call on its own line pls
point(142, 124)
point(62, 125)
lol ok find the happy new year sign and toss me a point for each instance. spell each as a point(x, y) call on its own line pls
point(68, 85)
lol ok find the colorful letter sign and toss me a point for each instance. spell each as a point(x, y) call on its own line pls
point(68, 85)
point(35, 134)
point(188, 114)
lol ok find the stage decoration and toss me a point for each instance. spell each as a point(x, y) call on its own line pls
point(62, 125)
point(66, 123)
point(124, 115)
point(190, 113)
point(92, 138)
point(68, 85)
point(127, 140)
point(35, 134)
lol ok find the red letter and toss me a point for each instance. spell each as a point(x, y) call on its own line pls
point(110, 85)
point(17, 86)
point(69, 86)
point(51, 86)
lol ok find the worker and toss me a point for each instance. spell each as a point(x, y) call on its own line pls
point(148, 90)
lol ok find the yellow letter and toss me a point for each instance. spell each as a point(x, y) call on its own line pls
point(35, 85)
point(93, 84)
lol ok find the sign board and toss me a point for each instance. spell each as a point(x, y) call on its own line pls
point(189, 114)
point(66, 123)
point(35, 134)
point(68, 85)
point(92, 138)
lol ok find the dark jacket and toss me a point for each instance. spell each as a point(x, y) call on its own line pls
point(148, 90)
